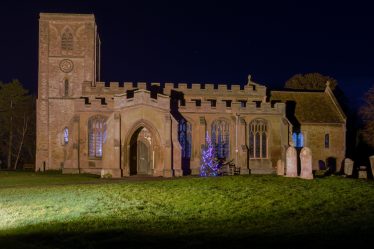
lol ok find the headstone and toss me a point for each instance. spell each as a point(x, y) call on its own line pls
point(106, 173)
point(348, 166)
point(362, 173)
point(306, 163)
point(291, 162)
point(371, 158)
point(280, 167)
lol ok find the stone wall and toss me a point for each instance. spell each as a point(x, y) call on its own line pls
point(314, 138)
point(64, 64)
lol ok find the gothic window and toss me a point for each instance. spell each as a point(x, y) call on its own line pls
point(96, 136)
point(66, 135)
point(221, 138)
point(66, 87)
point(185, 138)
point(258, 139)
point(298, 139)
point(327, 141)
point(67, 41)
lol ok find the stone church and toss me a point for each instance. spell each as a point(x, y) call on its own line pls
point(159, 129)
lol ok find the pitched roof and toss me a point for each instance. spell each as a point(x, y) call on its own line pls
point(310, 107)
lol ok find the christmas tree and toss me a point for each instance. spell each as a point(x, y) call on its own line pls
point(209, 164)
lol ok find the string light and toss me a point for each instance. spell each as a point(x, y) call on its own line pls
point(209, 164)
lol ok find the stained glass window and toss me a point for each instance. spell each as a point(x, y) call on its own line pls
point(258, 139)
point(185, 138)
point(221, 138)
point(327, 141)
point(298, 139)
point(96, 136)
point(66, 135)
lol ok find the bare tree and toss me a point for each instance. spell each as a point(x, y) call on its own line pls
point(15, 105)
point(367, 114)
point(23, 132)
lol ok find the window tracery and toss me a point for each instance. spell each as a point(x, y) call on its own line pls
point(258, 139)
point(221, 138)
point(96, 136)
point(185, 138)
point(67, 41)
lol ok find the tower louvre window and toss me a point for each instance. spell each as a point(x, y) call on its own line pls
point(67, 41)
point(66, 87)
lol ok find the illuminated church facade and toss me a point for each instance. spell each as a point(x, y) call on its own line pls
point(159, 129)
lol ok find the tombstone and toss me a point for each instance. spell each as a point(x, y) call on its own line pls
point(291, 162)
point(348, 166)
point(280, 167)
point(306, 163)
point(106, 173)
point(371, 158)
point(362, 173)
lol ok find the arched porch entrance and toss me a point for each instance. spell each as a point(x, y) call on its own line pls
point(142, 154)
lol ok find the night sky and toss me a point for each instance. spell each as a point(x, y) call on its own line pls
point(209, 42)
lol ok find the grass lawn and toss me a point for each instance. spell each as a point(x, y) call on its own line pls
point(62, 211)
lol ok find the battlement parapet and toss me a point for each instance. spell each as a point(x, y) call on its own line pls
point(93, 104)
point(200, 89)
point(215, 89)
point(141, 97)
point(234, 107)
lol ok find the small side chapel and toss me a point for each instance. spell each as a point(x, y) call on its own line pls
point(158, 129)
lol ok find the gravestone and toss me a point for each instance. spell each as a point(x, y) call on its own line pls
point(306, 163)
point(348, 166)
point(291, 162)
point(362, 173)
point(280, 167)
point(106, 173)
point(371, 158)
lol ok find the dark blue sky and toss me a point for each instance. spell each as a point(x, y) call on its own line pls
point(206, 41)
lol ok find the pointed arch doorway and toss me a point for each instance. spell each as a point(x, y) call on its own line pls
point(141, 152)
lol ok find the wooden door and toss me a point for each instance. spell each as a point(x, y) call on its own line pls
point(143, 157)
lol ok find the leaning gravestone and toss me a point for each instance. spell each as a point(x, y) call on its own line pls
point(371, 158)
point(291, 162)
point(306, 163)
point(280, 167)
point(348, 166)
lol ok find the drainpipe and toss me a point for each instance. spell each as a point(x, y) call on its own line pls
point(78, 149)
point(236, 139)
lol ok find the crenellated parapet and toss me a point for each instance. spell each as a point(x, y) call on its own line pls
point(141, 97)
point(251, 90)
point(199, 89)
point(93, 104)
point(101, 88)
point(235, 107)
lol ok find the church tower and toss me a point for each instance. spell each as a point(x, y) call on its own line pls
point(69, 54)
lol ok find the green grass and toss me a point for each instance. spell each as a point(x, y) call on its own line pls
point(27, 179)
point(61, 211)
